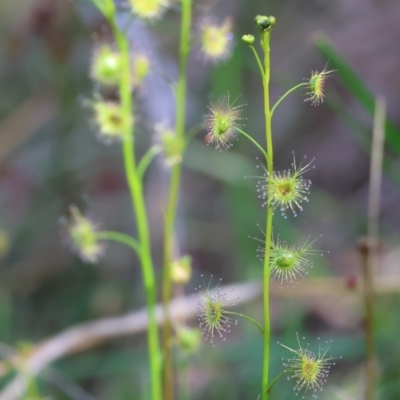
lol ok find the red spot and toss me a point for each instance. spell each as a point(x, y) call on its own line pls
point(351, 282)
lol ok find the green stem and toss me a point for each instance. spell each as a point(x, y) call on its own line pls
point(258, 61)
point(253, 141)
point(138, 202)
point(146, 160)
point(121, 238)
point(275, 380)
point(248, 319)
point(285, 95)
point(170, 213)
point(268, 230)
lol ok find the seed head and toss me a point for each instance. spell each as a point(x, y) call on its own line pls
point(106, 66)
point(149, 9)
point(221, 123)
point(110, 120)
point(309, 369)
point(289, 262)
point(216, 40)
point(171, 145)
point(287, 189)
point(82, 236)
point(316, 86)
point(211, 312)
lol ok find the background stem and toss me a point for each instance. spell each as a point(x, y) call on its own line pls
point(170, 213)
point(138, 202)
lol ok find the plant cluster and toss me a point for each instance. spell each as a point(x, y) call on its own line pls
point(118, 68)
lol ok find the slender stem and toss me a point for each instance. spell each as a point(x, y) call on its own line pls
point(285, 95)
point(138, 202)
point(248, 319)
point(121, 238)
point(170, 213)
point(258, 61)
point(146, 160)
point(268, 230)
point(271, 385)
point(253, 141)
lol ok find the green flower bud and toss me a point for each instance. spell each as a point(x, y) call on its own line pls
point(189, 339)
point(181, 270)
point(264, 23)
point(106, 66)
point(248, 39)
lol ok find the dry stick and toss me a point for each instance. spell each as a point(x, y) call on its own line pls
point(87, 335)
point(371, 248)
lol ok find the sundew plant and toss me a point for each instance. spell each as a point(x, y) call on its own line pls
point(119, 72)
point(283, 192)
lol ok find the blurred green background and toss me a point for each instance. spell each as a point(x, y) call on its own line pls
point(50, 158)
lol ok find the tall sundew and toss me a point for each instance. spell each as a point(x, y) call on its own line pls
point(289, 262)
point(211, 312)
point(216, 39)
point(285, 189)
point(221, 123)
point(309, 369)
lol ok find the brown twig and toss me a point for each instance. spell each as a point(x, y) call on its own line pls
point(370, 246)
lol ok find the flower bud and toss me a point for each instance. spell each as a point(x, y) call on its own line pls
point(110, 120)
point(264, 23)
point(171, 145)
point(181, 270)
point(216, 40)
point(106, 66)
point(189, 339)
point(149, 9)
point(140, 69)
point(82, 234)
point(248, 39)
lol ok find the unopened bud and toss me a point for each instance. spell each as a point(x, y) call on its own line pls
point(181, 270)
point(248, 39)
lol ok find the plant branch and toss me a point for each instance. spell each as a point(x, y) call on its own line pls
point(253, 141)
point(285, 95)
point(146, 160)
point(121, 238)
point(248, 319)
